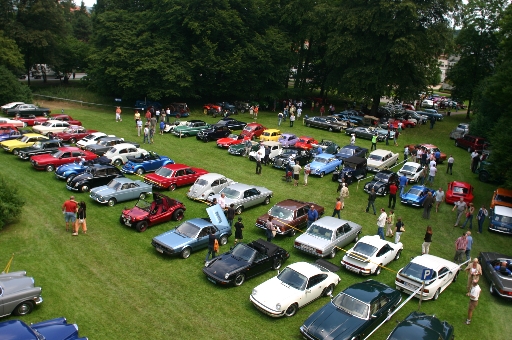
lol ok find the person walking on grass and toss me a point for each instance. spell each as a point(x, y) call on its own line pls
point(371, 201)
point(474, 271)
point(312, 215)
point(460, 248)
point(392, 195)
point(139, 127)
point(450, 164)
point(296, 172)
point(482, 214)
point(292, 119)
point(381, 223)
point(399, 229)
point(69, 209)
point(439, 198)
point(473, 294)
point(337, 208)
point(427, 205)
point(427, 240)
point(118, 114)
point(211, 245)
point(469, 216)
point(462, 208)
point(343, 194)
point(307, 171)
point(390, 223)
point(230, 214)
point(258, 162)
point(239, 227)
point(81, 216)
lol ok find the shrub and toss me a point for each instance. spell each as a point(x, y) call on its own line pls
point(11, 89)
point(11, 203)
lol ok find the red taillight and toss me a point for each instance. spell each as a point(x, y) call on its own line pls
point(319, 251)
point(297, 244)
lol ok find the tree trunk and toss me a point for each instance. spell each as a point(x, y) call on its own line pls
point(375, 105)
point(469, 109)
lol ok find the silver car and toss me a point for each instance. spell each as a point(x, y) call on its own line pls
point(18, 295)
point(244, 196)
point(326, 234)
point(119, 190)
point(208, 184)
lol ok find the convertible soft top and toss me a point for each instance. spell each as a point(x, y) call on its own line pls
point(264, 247)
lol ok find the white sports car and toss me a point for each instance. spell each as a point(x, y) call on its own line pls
point(381, 160)
point(443, 272)
point(296, 286)
point(370, 253)
point(412, 171)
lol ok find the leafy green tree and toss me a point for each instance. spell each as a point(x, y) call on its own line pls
point(11, 89)
point(10, 55)
point(11, 203)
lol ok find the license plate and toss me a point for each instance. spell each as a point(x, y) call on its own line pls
point(127, 222)
point(352, 269)
point(212, 280)
point(410, 286)
point(159, 250)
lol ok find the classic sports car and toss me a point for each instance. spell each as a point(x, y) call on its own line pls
point(190, 128)
point(64, 155)
point(119, 190)
point(418, 325)
point(289, 215)
point(353, 313)
point(50, 126)
point(500, 281)
point(19, 294)
point(430, 147)
point(192, 235)
point(253, 130)
point(456, 190)
point(354, 168)
point(16, 123)
point(232, 139)
point(296, 286)
point(275, 150)
point(503, 197)
point(416, 195)
point(171, 176)
point(270, 135)
point(245, 261)
point(72, 134)
point(306, 142)
point(408, 279)
point(54, 329)
point(326, 234)
point(9, 134)
point(95, 176)
point(324, 163)
point(40, 147)
point(288, 139)
point(381, 159)
point(68, 171)
point(243, 196)
point(231, 123)
point(119, 153)
point(147, 214)
point(324, 123)
point(28, 109)
point(91, 139)
point(370, 253)
point(208, 184)
point(239, 149)
point(328, 146)
point(364, 133)
point(169, 127)
point(65, 118)
point(351, 150)
point(381, 182)
point(412, 171)
point(31, 120)
point(146, 163)
point(104, 144)
point(213, 132)
point(300, 156)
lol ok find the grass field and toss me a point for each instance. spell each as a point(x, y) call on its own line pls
point(114, 285)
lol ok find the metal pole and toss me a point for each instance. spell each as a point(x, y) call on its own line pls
point(421, 295)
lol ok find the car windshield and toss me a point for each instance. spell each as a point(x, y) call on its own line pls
point(69, 130)
point(289, 152)
point(460, 190)
point(352, 305)
point(164, 172)
point(502, 218)
point(47, 124)
point(408, 168)
point(231, 193)
point(375, 157)
point(88, 137)
point(318, 231)
point(348, 152)
point(248, 128)
point(25, 139)
point(57, 154)
point(503, 198)
point(293, 279)
point(244, 252)
point(266, 133)
point(143, 204)
point(103, 142)
point(201, 182)
point(112, 150)
point(114, 185)
point(382, 177)
point(321, 160)
point(414, 271)
point(37, 145)
point(281, 213)
point(233, 136)
point(415, 192)
point(365, 249)
point(187, 229)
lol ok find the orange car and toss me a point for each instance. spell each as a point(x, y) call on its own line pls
point(430, 147)
point(502, 197)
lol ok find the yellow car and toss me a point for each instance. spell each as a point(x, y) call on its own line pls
point(270, 135)
point(14, 145)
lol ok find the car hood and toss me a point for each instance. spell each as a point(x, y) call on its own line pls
point(97, 147)
point(313, 241)
point(172, 239)
point(410, 197)
point(274, 291)
point(103, 191)
point(16, 283)
point(316, 165)
point(226, 263)
point(57, 329)
point(69, 167)
point(371, 162)
point(43, 158)
point(135, 212)
point(375, 184)
point(332, 323)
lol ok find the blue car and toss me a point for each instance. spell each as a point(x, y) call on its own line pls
point(192, 235)
point(324, 163)
point(9, 135)
point(69, 171)
point(146, 163)
point(55, 329)
point(416, 195)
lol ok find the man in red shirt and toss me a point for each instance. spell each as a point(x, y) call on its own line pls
point(460, 248)
point(69, 209)
point(392, 195)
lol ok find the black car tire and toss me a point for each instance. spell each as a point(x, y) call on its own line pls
point(121, 219)
point(291, 311)
point(185, 253)
point(278, 262)
point(70, 178)
point(141, 226)
point(456, 144)
point(85, 188)
point(308, 124)
point(139, 171)
point(206, 139)
point(436, 295)
point(118, 162)
point(357, 238)
point(223, 240)
point(328, 290)
point(491, 289)
point(15, 152)
point(330, 129)
point(111, 202)
point(25, 124)
point(378, 270)
point(239, 280)
point(50, 168)
point(177, 215)
point(483, 176)
point(292, 232)
point(172, 187)
point(455, 276)
point(397, 256)
point(142, 196)
point(469, 150)
point(72, 140)
point(322, 174)
point(239, 210)
point(267, 200)
point(24, 308)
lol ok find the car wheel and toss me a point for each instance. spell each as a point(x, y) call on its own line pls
point(239, 279)
point(397, 256)
point(328, 290)
point(118, 162)
point(172, 187)
point(25, 124)
point(322, 174)
point(456, 144)
point(72, 140)
point(85, 188)
point(141, 226)
point(142, 195)
point(290, 311)
point(185, 253)
point(292, 232)
point(50, 168)
point(378, 270)
point(277, 264)
point(491, 289)
point(436, 295)
point(206, 139)
point(214, 115)
point(330, 129)
point(139, 171)
point(178, 215)
point(333, 253)
point(483, 176)
point(223, 240)
point(121, 219)
point(15, 152)
point(308, 125)
point(469, 150)
point(242, 110)
point(267, 200)
point(456, 276)
point(357, 238)
point(239, 210)
point(111, 202)
point(24, 308)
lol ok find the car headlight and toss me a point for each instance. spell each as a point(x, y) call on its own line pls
point(254, 292)
point(226, 276)
point(278, 306)
point(381, 189)
point(76, 184)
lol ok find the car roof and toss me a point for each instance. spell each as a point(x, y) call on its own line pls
point(212, 176)
point(288, 135)
point(351, 147)
point(124, 145)
point(413, 164)
point(272, 130)
point(355, 160)
point(330, 223)
point(33, 135)
point(380, 152)
point(432, 262)
point(325, 155)
point(54, 121)
point(504, 192)
point(294, 204)
point(242, 186)
point(176, 166)
point(503, 211)
point(373, 240)
point(366, 291)
point(305, 268)
point(253, 124)
point(69, 148)
point(460, 184)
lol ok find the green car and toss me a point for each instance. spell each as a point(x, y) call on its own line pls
point(239, 149)
point(418, 325)
point(191, 128)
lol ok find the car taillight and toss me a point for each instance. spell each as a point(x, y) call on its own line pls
point(297, 244)
point(319, 251)
point(399, 280)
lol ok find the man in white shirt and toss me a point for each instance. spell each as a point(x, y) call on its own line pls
point(432, 174)
point(353, 139)
point(439, 198)
point(381, 222)
point(222, 201)
point(450, 165)
point(473, 294)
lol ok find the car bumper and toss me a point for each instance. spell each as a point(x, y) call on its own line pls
point(214, 279)
point(72, 188)
point(356, 269)
point(409, 288)
point(155, 184)
point(60, 176)
point(414, 204)
point(38, 300)
point(312, 251)
point(38, 166)
point(98, 199)
point(500, 229)
point(24, 156)
point(129, 172)
point(164, 250)
point(305, 334)
point(270, 312)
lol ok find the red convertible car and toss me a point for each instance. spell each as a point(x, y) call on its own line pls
point(171, 176)
point(306, 142)
point(65, 118)
point(72, 134)
point(64, 155)
point(253, 130)
point(147, 214)
point(232, 139)
point(456, 190)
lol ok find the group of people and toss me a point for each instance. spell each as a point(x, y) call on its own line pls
point(75, 215)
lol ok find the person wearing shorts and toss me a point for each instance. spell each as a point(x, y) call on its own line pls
point(296, 172)
point(69, 209)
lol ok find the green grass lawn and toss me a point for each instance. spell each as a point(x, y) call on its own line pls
point(114, 285)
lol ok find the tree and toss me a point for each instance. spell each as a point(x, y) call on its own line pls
point(10, 55)
point(11, 202)
point(11, 89)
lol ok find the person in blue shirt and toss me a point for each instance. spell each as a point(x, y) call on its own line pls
point(437, 155)
point(312, 215)
point(402, 184)
point(502, 268)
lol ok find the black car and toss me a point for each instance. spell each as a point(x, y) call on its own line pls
point(228, 109)
point(244, 261)
point(500, 281)
point(104, 144)
point(214, 132)
point(381, 182)
point(298, 155)
point(418, 325)
point(328, 146)
point(354, 168)
point(324, 123)
point(231, 123)
point(351, 150)
point(40, 147)
point(94, 176)
point(365, 133)
point(28, 109)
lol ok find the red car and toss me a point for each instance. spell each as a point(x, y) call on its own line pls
point(65, 118)
point(32, 120)
point(232, 139)
point(306, 142)
point(147, 214)
point(456, 190)
point(7, 128)
point(405, 123)
point(171, 176)
point(64, 155)
point(253, 130)
point(212, 109)
point(72, 134)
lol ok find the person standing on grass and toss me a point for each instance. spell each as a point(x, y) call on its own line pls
point(118, 114)
point(462, 208)
point(381, 223)
point(474, 271)
point(371, 201)
point(473, 294)
point(296, 172)
point(230, 214)
point(392, 195)
point(395, 137)
point(475, 157)
point(211, 245)
point(403, 181)
point(425, 247)
point(257, 157)
point(69, 209)
point(390, 223)
point(292, 119)
point(450, 165)
point(279, 118)
point(271, 229)
point(81, 216)
point(337, 208)
point(469, 216)
point(399, 229)
point(146, 135)
point(460, 248)
point(469, 245)
point(239, 227)
point(136, 116)
point(162, 127)
point(432, 174)
point(312, 215)
point(439, 198)
point(353, 139)
point(406, 153)
point(148, 115)
point(482, 214)
point(256, 110)
point(427, 205)
point(139, 127)
point(343, 194)
point(374, 142)
point(307, 171)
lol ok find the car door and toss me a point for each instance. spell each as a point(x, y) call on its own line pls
point(344, 235)
point(251, 197)
point(444, 278)
point(384, 255)
point(314, 288)
point(101, 177)
point(201, 240)
point(301, 217)
point(261, 264)
point(379, 309)
point(331, 164)
point(189, 177)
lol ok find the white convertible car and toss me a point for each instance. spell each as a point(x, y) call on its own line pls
point(412, 171)
point(443, 272)
point(296, 286)
point(370, 254)
point(381, 160)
